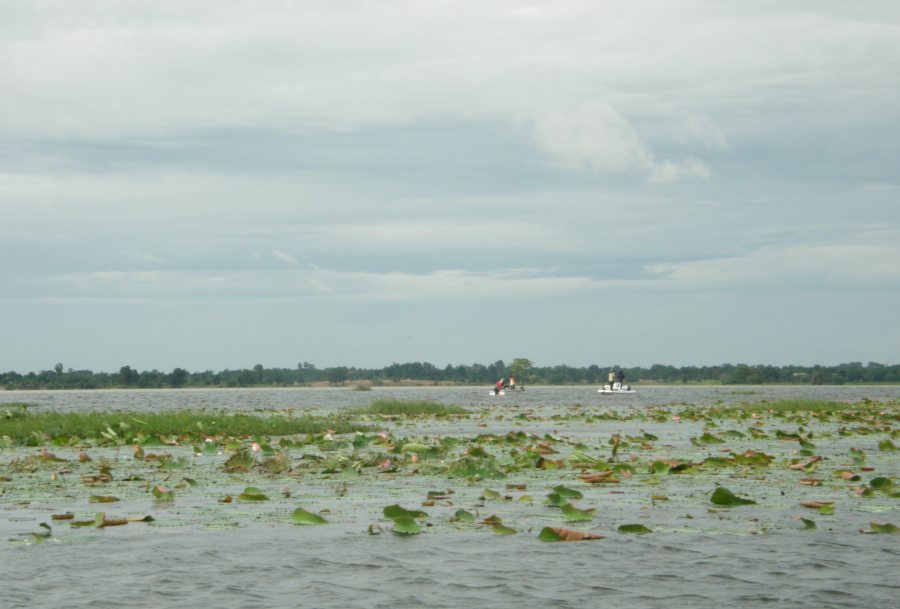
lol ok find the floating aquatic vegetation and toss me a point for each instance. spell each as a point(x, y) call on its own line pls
point(276, 464)
point(707, 438)
point(301, 516)
point(240, 462)
point(102, 499)
point(638, 529)
point(462, 516)
point(564, 491)
point(574, 514)
point(405, 525)
point(551, 534)
point(883, 527)
point(395, 511)
point(251, 493)
point(162, 493)
point(723, 496)
point(497, 526)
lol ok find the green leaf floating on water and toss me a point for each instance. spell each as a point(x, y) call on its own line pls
point(395, 511)
point(301, 516)
point(659, 467)
point(887, 445)
point(574, 514)
point(251, 493)
point(502, 529)
point(884, 527)
point(564, 491)
point(405, 525)
point(638, 529)
point(882, 484)
point(556, 500)
point(807, 523)
point(162, 493)
point(463, 516)
point(707, 438)
point(490, 494)
point(722, 496)
point(102, 499)
point(415, 447)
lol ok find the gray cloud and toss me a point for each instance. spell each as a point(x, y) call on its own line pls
point(444, 169)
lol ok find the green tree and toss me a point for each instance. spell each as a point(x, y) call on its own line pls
point(129, 375)
point(178, 377)
point(338, 375)
point(520, 368)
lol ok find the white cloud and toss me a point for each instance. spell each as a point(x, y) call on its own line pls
point(597, 138)
point(703, 131)
point(593, 137)
point(826, 266)
point(668, 171)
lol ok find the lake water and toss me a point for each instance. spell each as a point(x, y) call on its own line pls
point(258, 562)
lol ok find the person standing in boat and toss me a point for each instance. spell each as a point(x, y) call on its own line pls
point(498, 386)
point(612, 378)
point(512, 382)
point(620, 376)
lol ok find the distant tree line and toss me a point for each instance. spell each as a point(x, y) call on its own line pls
point(306, 373)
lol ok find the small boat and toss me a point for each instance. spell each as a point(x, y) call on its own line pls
point(616, 388)
point(501, 392)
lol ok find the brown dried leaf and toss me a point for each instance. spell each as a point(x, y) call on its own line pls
point(815, 504)
point(573, 535)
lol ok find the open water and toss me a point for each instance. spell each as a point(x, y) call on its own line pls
point(263, 564)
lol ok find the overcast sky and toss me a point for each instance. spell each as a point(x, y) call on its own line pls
point(212, 184)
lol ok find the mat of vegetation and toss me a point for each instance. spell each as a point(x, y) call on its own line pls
point(408, 469)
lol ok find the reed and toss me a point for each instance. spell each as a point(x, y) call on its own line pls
point(411, 407)
point(23, 427)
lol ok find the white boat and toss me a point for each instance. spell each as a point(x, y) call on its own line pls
point(616, 388)
point(501, 392)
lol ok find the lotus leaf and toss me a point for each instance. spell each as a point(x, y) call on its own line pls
point(395, 511)
point(463, 516)
point(502, 529)
point(723, 496)
point(574, 514)
point(638, 529)
point(884, 527)
point(251, 493)
point(102, 499)
point(404, 525)
point(162, 493)
point(301, 516)
point(564, 491)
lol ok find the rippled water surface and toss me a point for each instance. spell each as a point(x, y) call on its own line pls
point(251, 559)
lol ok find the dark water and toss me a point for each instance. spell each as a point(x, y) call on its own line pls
point(265, 564)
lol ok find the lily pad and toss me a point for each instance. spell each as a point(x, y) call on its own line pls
point(884, 527)
point(502, 529)
point(405, 525)
point(638, 529)
point(564, 491)
point(102, 499)
point(463, 516)
point(574, 514)
point(395, 511)
point(162, 493)
point(301, 516)
point(251, 493)
point(723, 496)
